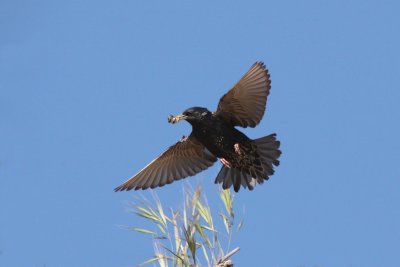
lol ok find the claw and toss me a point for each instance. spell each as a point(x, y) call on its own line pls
point(225, 163)
point(237, 149)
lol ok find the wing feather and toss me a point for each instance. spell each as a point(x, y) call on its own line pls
point(185, 158)
point(244, 105)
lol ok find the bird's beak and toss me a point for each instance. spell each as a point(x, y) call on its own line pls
point(174, 119)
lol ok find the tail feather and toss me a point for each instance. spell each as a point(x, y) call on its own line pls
point(231, 176)
point(268, 149)
point(226, 183)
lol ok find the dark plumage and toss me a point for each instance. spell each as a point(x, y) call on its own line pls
point(245, 162)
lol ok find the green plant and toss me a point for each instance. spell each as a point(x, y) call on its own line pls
point(189, 235)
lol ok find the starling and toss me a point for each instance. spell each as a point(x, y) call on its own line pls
point(245, 162)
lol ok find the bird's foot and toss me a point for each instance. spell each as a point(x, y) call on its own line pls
point(225, 163)
point(237, 149)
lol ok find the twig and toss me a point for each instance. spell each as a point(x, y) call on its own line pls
point(224, 261)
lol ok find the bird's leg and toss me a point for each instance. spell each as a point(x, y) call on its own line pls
point(237, 149)
point(225, 163)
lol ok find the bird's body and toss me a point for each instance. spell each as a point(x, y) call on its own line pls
point(218, 136)
point(246, 162)
point(222, 138)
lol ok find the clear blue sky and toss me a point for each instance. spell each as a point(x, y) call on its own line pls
point(86, 88)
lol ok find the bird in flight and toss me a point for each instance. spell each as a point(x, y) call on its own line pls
point(245, 162)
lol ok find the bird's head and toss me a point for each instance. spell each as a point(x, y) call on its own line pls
point(194, 114)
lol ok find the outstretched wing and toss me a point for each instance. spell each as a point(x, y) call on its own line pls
point(186, 158)
point(244, 104)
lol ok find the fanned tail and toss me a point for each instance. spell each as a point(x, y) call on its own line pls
point(268, 150)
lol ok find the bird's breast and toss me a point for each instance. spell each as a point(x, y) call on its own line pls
point(220, 140)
